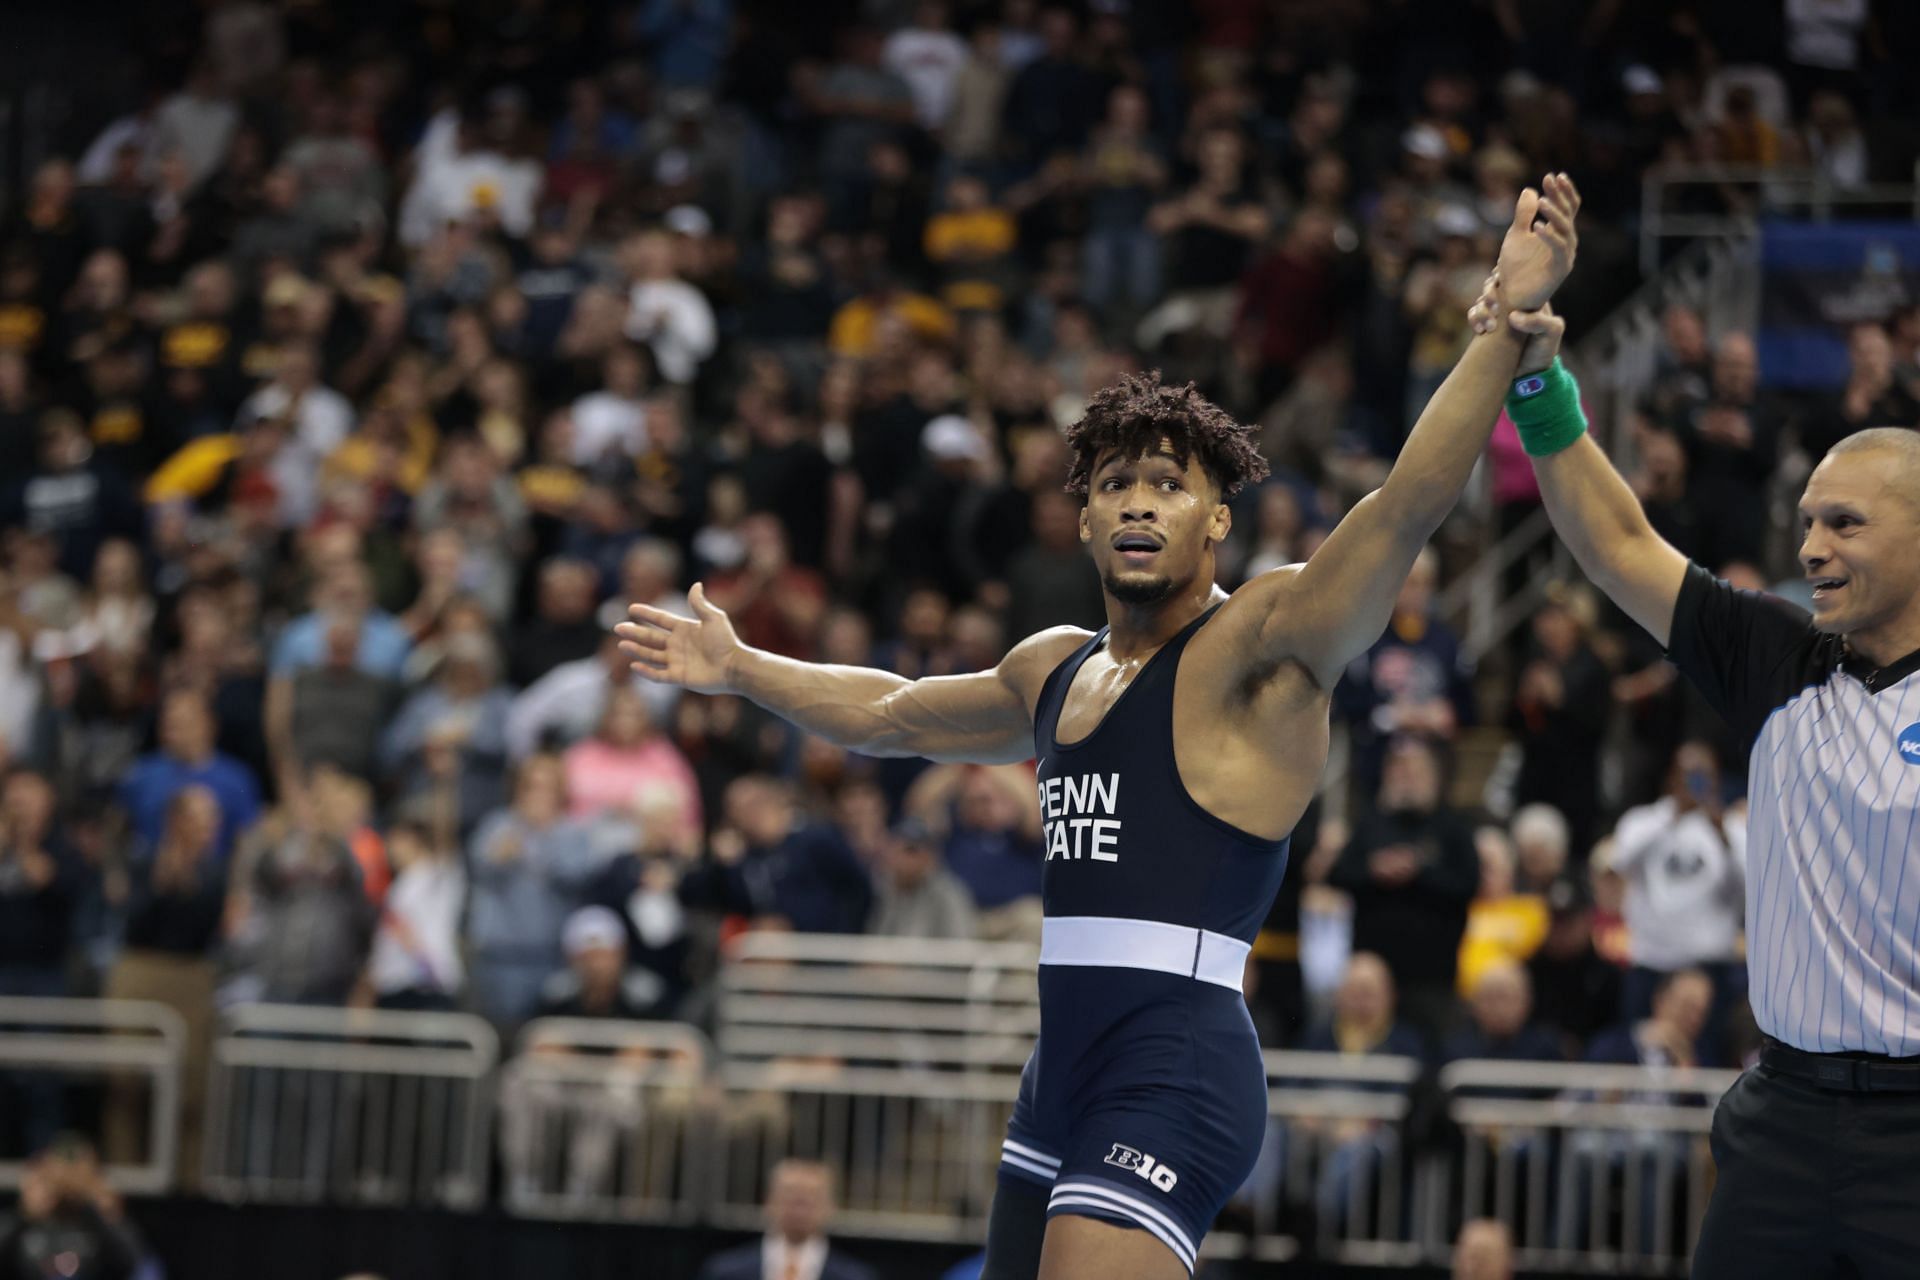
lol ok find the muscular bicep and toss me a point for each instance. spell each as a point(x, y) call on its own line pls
point(972, 718)
point(984, 717)
point(1322, 614)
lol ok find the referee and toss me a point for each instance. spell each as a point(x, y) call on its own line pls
point(1819, 1147)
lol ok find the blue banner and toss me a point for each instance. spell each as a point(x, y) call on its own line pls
point(1819, 280)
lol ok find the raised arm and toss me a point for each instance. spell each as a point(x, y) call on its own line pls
point(1327, 612)
point(1594, 511)
point(984, 718)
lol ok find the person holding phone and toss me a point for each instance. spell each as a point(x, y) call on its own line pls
point(1683, 858)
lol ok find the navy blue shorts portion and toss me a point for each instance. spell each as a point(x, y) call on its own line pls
point(1154, 1119)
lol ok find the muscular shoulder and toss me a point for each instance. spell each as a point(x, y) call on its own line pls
point(1028, 664)
point(1247, 640)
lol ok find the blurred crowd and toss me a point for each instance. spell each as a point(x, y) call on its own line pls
point(369, 360)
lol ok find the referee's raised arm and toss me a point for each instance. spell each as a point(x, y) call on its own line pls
point(1593, 510)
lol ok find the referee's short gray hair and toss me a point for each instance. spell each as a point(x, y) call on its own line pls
point(1540, 824)
point(1902, 441)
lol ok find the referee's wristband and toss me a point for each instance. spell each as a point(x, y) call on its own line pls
point(1545, 407)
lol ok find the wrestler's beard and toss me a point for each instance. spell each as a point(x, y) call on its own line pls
point(1138, 590)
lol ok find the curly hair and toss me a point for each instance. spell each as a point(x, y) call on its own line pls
point(1136, 413)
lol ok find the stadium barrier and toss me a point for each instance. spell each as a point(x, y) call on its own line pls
point(896, 1061)
point(1594, 1168)
point(608, 1120)
point(135, 1046)
point(1334, 1173)
point(897, 1065)
point(354, 1106)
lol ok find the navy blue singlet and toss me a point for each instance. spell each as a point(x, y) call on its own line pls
point(1145, 1100)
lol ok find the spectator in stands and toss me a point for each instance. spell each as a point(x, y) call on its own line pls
point(187, 758)
point(1733, 444)
point(1872, 397)
point(529, 865)
point(1559, 712)
point(642, 885)
point(41, 886)
point(598, 982)
point(799, 1206)
point(1411, 871)
point(993, 829)
point(463, 712)
point(176, 903)
point(1413, 681)
point(566, 704)
point(629, 762)
point(1050, 582)
point(335, 710)
point(1210, 230)
point(1123, 170)
point(1506, 922)
point(1484, 1251)
point(1540, 843)
point(916, 896)
point(71, 494)
point(1364, 1018)
point(1577, 988)
point(563, 628)
point(1684, 860)
point(1665, 1040)
point(766, 864)
point(1500, 1026)
point(302, 922)
point(1669, 1036)
point(69, 1222)
point(416, 961)
point(598, 1116)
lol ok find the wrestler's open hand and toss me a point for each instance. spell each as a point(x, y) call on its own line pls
point(1540, 246)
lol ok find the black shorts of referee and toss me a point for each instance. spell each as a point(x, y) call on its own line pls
point(1819, 1170)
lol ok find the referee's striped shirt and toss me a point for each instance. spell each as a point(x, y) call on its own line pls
point(1833, 789)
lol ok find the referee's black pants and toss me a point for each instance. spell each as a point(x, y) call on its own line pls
point(1813, 1183)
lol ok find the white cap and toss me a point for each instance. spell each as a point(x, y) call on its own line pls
point(1640, 78)
point(951, 438)
point(1425, 141)
point(1455, 220)
point(590, 928)
point(689, 220)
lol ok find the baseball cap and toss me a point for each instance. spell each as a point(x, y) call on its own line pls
point(1425, 141)
point(1640, 78)
point(590, 928)
point(1455, 220)
point(951, 438)
point(689, 220)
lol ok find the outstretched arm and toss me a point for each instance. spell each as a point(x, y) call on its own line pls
point(983, 718)
point(1327, 612)
point(1594, 511)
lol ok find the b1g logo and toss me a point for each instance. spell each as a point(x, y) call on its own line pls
point(1142, 1165)
point(1909, 743)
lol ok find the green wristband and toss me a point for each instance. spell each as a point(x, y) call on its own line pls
point(1545, 406)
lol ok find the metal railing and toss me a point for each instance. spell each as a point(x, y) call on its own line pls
point(607, 1119)
point(1749, 190)
point(894, 1060)
point(1335, 1175)
point(1594, 1168)
point(349, 1105)
point(51, 1042)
